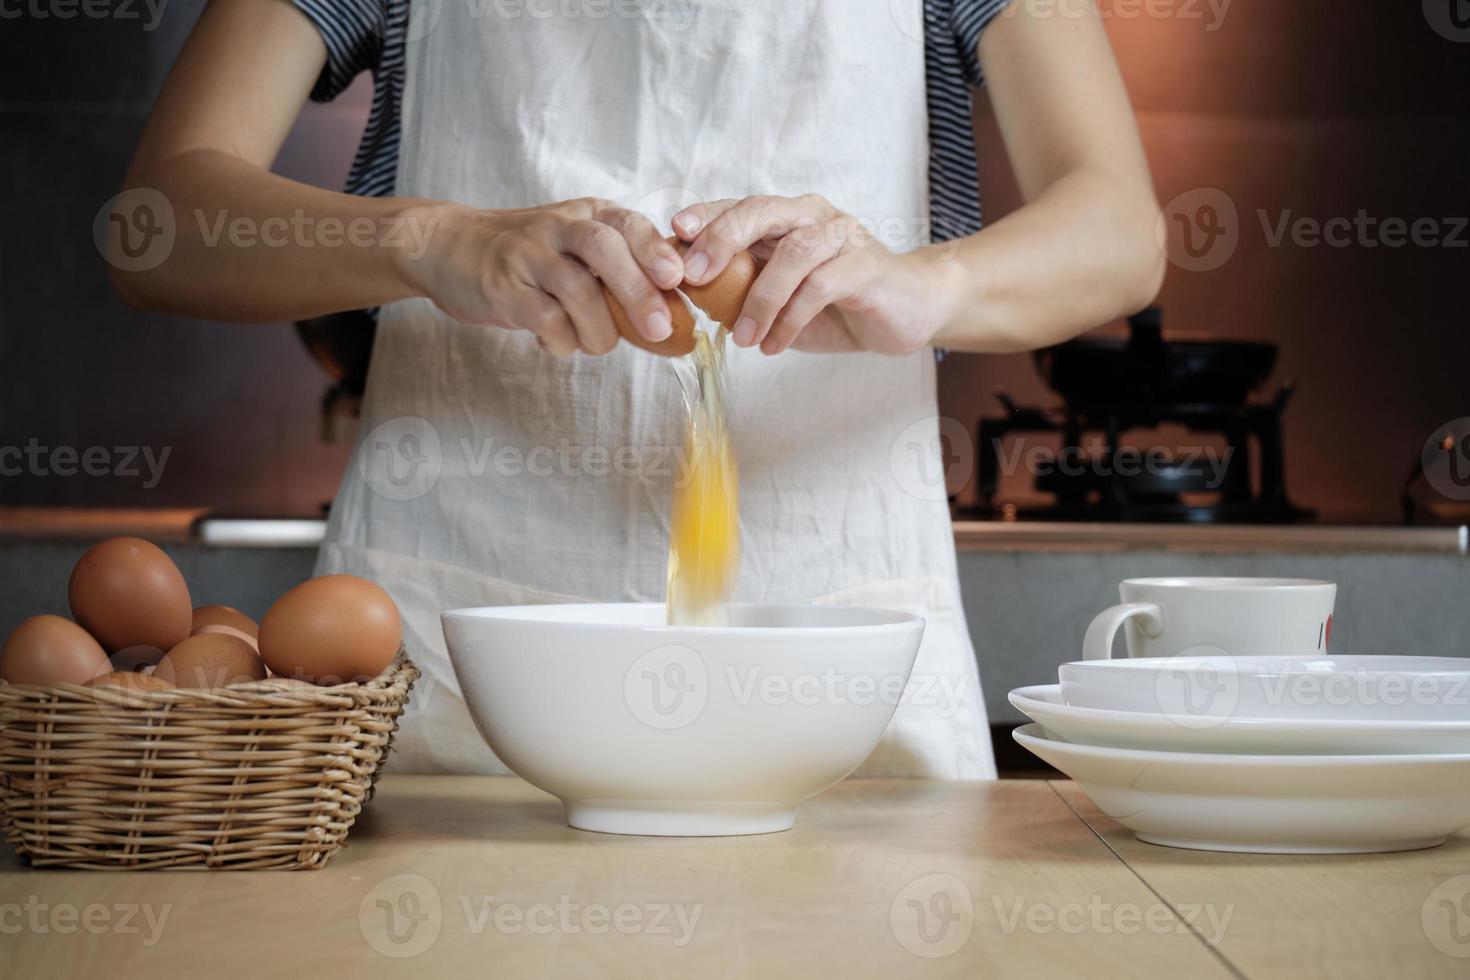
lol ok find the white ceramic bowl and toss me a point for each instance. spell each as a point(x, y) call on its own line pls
point(643, 728)
point(1264, 736)
point(1198, 691)
point(1277, 804)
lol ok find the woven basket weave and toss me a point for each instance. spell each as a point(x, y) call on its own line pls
point(269, 774)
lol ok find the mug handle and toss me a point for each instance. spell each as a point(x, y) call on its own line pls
point(1098, 643)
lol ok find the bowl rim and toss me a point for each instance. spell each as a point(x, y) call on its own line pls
point(1230, 583)
point(901, 621)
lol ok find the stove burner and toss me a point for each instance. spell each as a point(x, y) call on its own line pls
point(1095, 477)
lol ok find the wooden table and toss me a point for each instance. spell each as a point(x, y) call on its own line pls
point(451, 876)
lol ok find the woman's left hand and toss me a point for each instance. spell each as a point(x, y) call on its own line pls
point(827, 283)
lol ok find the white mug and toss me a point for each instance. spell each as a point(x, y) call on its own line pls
point(1171, 617)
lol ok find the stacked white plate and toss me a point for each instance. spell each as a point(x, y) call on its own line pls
point(1267, 754)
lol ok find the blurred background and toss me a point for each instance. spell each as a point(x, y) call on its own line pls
point(1262, 121)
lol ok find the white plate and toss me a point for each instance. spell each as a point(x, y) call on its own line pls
point(1266, 736)
point(1274, 804)
point(1357, 687)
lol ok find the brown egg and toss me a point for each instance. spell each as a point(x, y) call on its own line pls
point(226, 620)
point(136, 658)
point(51, 650)
point(722, 299)
point(210, 660)
point(330, 630)
point(132, 681)
point(223, 616)
point(127, 592)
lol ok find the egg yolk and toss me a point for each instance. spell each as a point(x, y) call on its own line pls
point(704, 533)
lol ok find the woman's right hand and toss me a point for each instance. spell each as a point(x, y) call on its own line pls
point(542, 269)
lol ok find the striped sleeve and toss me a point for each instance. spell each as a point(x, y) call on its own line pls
point(353, 32)
point(969, 20)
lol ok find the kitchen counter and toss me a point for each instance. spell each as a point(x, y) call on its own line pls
point(450, 876)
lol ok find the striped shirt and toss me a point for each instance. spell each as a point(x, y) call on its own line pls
point(369, 35)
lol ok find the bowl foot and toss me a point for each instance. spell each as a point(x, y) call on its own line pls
point(1367, 847)
point(679, 818)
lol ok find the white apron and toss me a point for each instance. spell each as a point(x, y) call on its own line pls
point(492, 473)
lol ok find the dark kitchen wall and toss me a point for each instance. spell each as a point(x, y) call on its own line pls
point(235, 408)
point(1315, 110)
point(1307, 108)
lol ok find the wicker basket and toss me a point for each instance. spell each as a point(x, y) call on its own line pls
point(262, 775)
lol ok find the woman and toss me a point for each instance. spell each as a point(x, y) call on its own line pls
point(514, 452)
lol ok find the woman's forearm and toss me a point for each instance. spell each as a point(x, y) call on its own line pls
point(1081, 254)
point(250, 245)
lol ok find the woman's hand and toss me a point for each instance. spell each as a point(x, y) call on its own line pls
point(542, 269)
point(827, 284)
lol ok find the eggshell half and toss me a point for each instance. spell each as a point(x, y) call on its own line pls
point(722, 299)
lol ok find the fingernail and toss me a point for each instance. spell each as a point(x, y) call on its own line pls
point(744, 332)
point(669, 269)
point(695, 267)
point(659, 326)
point(688, 223)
